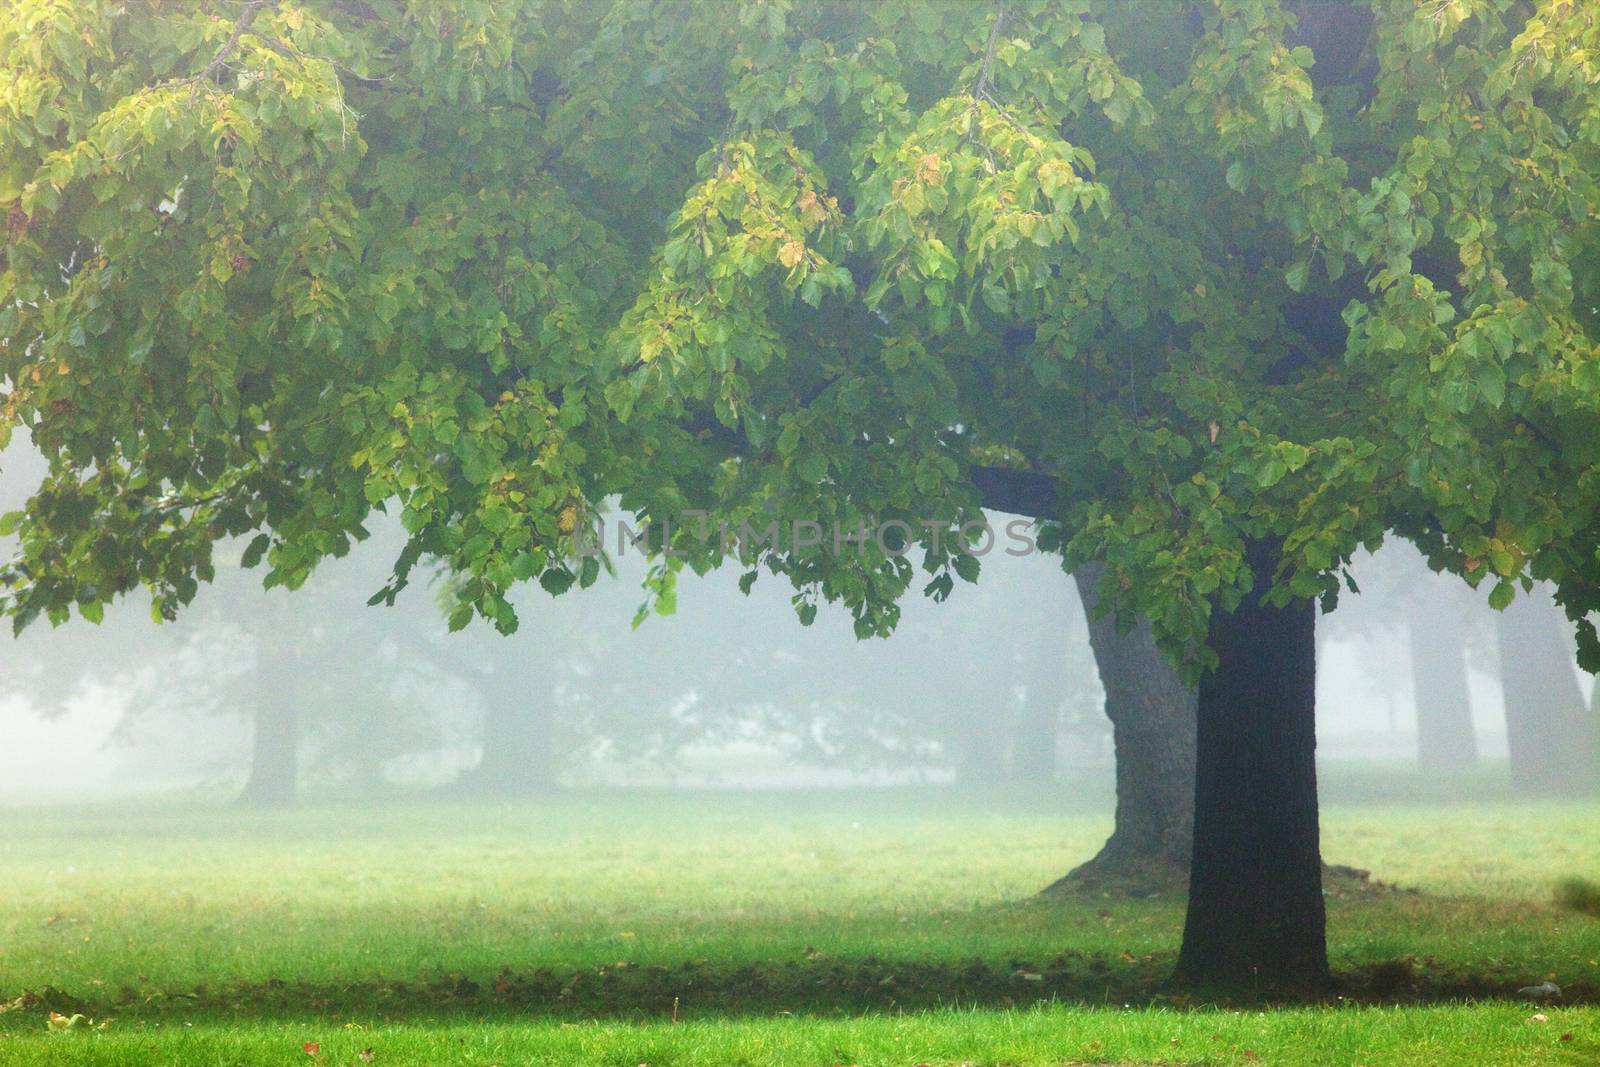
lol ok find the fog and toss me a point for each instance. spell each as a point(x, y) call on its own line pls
point(997, 684)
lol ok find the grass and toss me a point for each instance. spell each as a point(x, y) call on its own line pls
point(1469, 1036)
point(891, 927)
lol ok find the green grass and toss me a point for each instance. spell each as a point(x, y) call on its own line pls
point(1469, 1036)
point(889, 927)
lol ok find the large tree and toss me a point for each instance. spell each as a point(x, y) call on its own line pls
point(1218, 292)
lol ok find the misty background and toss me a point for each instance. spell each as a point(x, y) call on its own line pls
point(313, 693)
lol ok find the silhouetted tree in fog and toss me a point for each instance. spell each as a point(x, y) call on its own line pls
point(275, 712)
point(1550, 730)
point(1437, 631)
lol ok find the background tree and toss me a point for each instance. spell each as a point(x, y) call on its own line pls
point(1552, 736)
point(1152, 713)
point(1443, 627)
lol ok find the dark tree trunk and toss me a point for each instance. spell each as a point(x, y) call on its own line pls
point(1152, 717)
point(275, 747)
point(1550, 732)
point(517, 736)
point(1256, 922)
point(1445, 736)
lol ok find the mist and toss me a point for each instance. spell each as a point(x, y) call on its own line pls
point(996, 685)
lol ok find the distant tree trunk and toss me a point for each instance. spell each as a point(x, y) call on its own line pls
point(1033, 755)
point(1550, 731)
point(981, 758)
point(1256, 921)
point(1152, 717)
point(517, 736)
point(1445, 736)
point(275, 747)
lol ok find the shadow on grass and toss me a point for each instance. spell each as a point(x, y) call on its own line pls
point(815, 986)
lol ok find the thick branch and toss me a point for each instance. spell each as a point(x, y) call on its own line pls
point(1025, 493)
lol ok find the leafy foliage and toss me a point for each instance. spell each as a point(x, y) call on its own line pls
point(1306, 271)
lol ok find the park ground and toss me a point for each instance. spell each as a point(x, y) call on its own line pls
point(894, 927)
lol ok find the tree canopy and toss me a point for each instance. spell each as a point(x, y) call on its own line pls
point(1167, 276)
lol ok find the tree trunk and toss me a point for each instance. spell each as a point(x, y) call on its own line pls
point(275, 748)
point(1550, 732)
point(517, 736)
point(1152, 717)
point(980, 721)
point(1256, 922)
point(981, 757)
point(1446, 739)
point(1033, 755)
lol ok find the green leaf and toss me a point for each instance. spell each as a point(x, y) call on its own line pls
point(1271, 473)
point(1492, 384)
point(967, 567)
point(555, 581)
point(1503, 593)
point(1298, 276)
point(255, 550)
point(812, 467)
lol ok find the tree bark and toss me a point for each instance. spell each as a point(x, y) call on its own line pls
point(517, 740)
point(275, 747)
point(1256, 922)
point(1550, 732)
point(1152, 715)
point(1446, 739)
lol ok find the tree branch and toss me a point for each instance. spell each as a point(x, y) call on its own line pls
point(981, 89)
point(246, 17)
point(1026, 493)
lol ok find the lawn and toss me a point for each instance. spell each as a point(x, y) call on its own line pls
point(892, 927)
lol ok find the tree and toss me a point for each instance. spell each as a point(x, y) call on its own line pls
point(1219, 292)
point(1437, 633)
point(1265, 929)
point(275, 719)
point(1552, 736)
point(1439, 621)
point(1152, 713)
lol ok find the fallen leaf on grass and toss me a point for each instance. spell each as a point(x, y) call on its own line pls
point(311, 1048)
